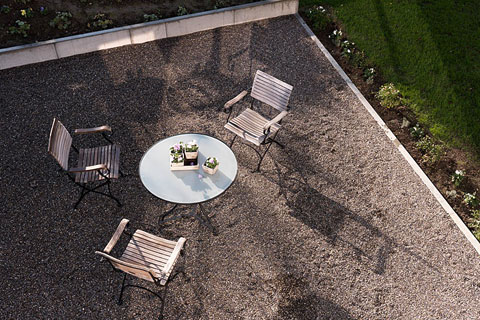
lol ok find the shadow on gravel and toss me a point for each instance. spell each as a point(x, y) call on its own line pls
point(299, 302)
point(339, 225)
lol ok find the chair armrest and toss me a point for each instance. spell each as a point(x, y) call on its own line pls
point(89, 168)
point(231, 102)
point(116, 235)
point(174, 255)
point(93, 130)
point(280, 116)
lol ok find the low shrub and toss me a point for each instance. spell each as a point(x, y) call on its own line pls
point(150, 17)
point(43, 11)
point(219, 4)
point(181, 11)
point(474, 223)
point(417, 132)
point(389, 96)
point(369, 75)
point(5, 9)
point(457, 177)
point(431, 151)
point(62, 20)
point(27, 13)
point(20, 28)
point(348, 49)
point(318, 17)
point(336, 37)
point(470, 199)
point(101, 21)
point(359, 59)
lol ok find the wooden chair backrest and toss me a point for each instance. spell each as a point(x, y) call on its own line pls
point(271, 91)
point(135, 270)
point(60, 143)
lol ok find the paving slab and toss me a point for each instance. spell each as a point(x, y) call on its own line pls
point(336, 226)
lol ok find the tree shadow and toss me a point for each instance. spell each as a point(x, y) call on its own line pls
point(338, 224)
point(297, 301)
point(389, 38)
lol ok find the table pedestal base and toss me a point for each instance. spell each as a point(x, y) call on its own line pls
point(197, 212)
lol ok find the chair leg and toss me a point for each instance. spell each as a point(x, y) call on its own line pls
point(82, 194)
point(261, 158)
point(119, 302)
point(270, 141)
point(233, 140)
point(111, 195)
point(160, 317)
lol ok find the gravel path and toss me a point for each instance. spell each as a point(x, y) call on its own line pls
point(336, 226)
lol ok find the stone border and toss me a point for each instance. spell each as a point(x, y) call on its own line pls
point(144, 32)
point(463, 228)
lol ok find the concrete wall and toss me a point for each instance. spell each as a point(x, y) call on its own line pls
point(144, 32)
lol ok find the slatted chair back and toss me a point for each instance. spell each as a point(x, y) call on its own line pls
point(271, 91)
point(135, 270)
point(60, 143)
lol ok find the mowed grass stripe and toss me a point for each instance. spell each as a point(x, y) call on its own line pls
point(430, 50)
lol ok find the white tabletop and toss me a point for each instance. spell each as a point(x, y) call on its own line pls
point(187, 187)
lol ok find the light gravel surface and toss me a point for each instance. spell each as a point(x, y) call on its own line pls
point(336, 226)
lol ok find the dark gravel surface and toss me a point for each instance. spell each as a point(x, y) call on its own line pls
point(336, 226)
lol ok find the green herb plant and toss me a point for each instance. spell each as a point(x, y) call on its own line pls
point(20, 28)
point(101, 21)
point(369, 75)
point(5, 9)
point(150, 17)
point(417, 132)
point(62, 20)
point(431, 151)
point(181, 11)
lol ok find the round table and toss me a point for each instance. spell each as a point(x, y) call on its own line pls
point(187, 187)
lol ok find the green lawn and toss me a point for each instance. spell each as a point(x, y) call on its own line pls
point(430, 50)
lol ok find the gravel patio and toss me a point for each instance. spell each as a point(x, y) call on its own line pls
point(336, 226)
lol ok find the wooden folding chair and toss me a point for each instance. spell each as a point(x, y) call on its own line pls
point(99, 164)
point(250, 125)
point(146, 257)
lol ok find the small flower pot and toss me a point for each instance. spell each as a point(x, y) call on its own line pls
point(177, 164)
point(210, 170)
point(191, 155)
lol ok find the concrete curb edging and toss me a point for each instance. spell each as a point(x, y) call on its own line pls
point(144, 32)
point(463, 228)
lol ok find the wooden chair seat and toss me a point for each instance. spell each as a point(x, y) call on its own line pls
point(249, 125)
point(153, 252)
point(109, 155)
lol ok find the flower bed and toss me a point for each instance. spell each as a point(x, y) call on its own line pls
point(28, 21)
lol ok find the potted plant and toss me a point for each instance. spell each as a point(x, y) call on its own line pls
point(177, 148)
point(191, 150)
point(176, 160)
point(211, 165)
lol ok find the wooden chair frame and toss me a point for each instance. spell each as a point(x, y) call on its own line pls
point(159, 282)
point(269, 139)
point(101, 169)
